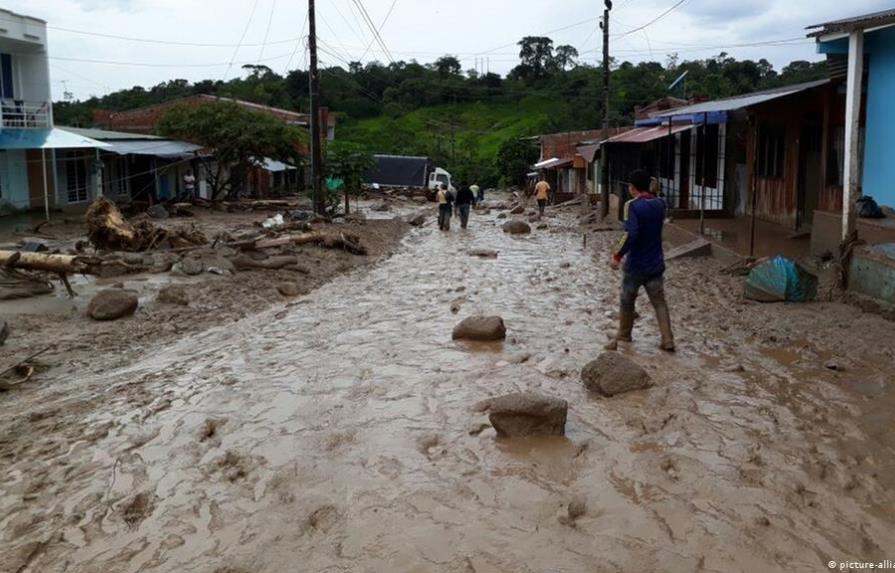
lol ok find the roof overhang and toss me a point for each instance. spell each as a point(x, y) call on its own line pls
point(53, 138)
point(647, 134)
point(164, 149)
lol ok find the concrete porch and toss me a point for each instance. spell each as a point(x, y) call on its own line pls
point(732, 237)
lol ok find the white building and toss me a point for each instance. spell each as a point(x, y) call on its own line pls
point(38, 169)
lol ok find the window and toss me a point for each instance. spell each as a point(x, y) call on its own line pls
point(771, 152)
point(76, 178)
point(707, 137)
point(836, 161)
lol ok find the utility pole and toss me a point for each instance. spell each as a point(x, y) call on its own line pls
point(604, 160)
point(314, 80)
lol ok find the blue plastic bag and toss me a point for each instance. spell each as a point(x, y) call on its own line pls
point(780, 280)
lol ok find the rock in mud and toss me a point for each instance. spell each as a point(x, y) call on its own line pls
point(517, 210)
point(192, 266)
point(481, 328)
point(112, 304)
point(174, 294)
point(483, 253)
point(418, 220)
point(289, 289)
point(4, 332)
point(381, 208)
point(516, 228)
point(502, 216)
point(612, 374)
point(542, 226)
point(528, 414)
point(157, 212)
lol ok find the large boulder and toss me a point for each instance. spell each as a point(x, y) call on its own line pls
point(192, 266)
point(612, 374)
point(481, 328)
point(528, 414)
point(112, 304)
point(516, 228)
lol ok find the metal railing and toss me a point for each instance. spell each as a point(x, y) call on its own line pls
point(26, 114)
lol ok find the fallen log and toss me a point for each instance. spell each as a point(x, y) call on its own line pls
point(65, 264)
point(343, 241)
point(271, 263)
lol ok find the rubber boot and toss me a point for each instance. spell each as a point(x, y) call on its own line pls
point(625, 327)
point(664, 318)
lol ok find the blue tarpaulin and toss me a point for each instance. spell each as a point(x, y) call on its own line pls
point(781, 280)
point(15, 138)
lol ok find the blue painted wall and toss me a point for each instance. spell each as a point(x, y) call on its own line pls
point(879, 143)
point(879, 150)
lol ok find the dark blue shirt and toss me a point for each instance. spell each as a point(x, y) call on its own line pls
point(642, 241)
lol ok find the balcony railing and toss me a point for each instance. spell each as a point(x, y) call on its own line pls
point(26, 114)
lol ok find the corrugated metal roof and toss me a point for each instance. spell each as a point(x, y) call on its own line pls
point(106, 135)
point(553, 163)
point(872, 20)
point(647, 134)
point(589, 152)
point(53, 138)
point(165, 149)
point(741, 102)
point(275, 166)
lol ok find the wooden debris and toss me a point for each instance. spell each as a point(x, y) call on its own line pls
point(344, 241)
point(68, 264)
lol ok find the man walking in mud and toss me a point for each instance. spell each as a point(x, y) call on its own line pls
point(465, 199)
point(445, 207)
point(641, 247)
point(542, 193)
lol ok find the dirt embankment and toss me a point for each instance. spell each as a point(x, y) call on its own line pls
point(181, 291)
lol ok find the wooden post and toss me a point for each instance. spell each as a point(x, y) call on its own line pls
point(851, 188)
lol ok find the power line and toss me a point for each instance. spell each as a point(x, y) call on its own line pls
point(369, 21)
point(241, 38)
point(297, 45)
point(570, 26)
point(381, 26)
point(165, 65)
point(273, 7)
point(674, 7)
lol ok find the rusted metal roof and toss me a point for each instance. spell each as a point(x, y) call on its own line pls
point(876, 19)
point(589, 152)
point(647, 134)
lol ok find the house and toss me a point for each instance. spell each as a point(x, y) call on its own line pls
point(861, 51)
point(143, 169)
point(147, 119)
point(567, 162)
point(41, 166)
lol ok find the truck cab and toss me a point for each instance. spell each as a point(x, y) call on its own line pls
point(439, 176)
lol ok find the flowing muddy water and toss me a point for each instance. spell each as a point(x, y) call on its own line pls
point(337, 434)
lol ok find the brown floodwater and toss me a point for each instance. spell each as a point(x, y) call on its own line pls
point(338, 434)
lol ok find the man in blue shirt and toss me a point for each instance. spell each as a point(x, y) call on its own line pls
point(641, 248)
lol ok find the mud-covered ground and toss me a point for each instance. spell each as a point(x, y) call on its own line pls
point(338, 434)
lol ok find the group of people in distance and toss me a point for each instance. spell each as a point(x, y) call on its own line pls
point(461, 203)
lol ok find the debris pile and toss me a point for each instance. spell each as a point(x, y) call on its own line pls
point(108, 230)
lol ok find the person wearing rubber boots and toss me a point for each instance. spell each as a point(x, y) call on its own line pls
point(644, 260)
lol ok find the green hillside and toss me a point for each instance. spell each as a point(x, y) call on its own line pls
point(477, 130)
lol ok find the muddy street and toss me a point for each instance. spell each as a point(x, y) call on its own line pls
point(338, 433)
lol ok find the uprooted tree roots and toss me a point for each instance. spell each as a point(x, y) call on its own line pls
point(108, 230)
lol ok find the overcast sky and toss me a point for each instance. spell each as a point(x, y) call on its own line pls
point(480, 32)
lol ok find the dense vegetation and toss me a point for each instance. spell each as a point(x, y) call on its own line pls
point(464, 119)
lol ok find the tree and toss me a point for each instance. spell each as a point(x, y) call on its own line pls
point(536, 55)
point(240, 139)
point(514, 158)
point(565, 57)
point(349, 162)
point(448, 66)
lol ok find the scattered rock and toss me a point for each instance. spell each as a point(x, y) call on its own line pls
point(483, 253)
point(834, 366)
point(542, 226)
point(112, 304)
point(357, 218)
point(192, 266)
point(482, 328)
point(289, 289)
point(519, 358)
point(517, 210)
point(528, 414)
point(157, 212)
point(4, 332)
point(516, 227)
point(502, 216)
point(577, 508)
point(612, 374)
point(174, 294)
point(565, 265)
point(382, 207)
point(476, 429)
point(417, 220)
point(534, 218)
point(457, 304)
